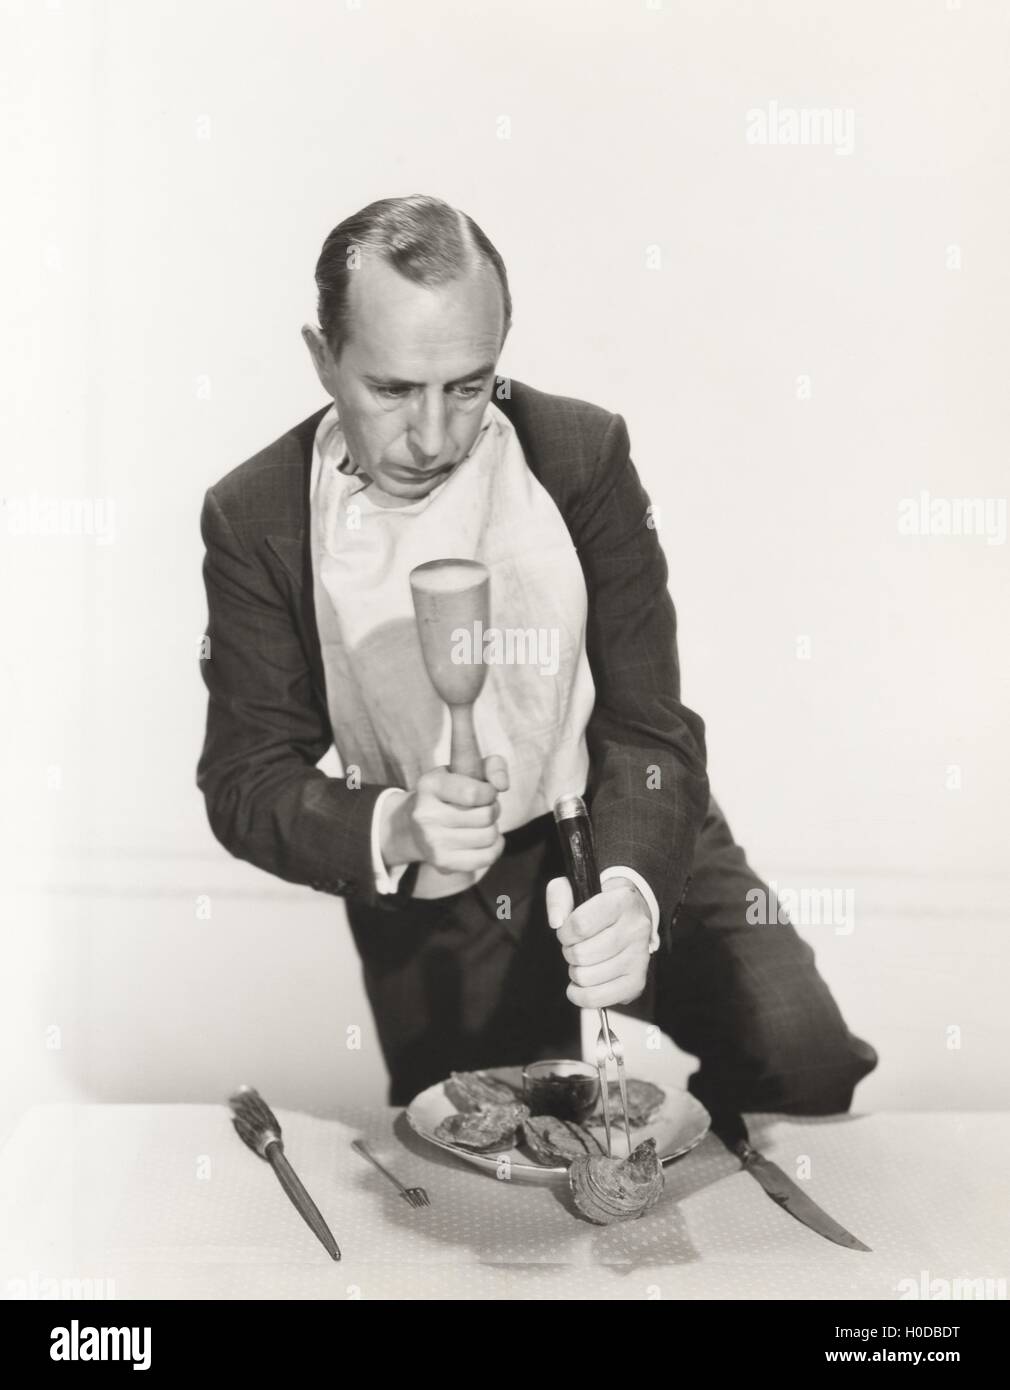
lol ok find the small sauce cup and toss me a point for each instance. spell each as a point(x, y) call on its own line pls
point(566, 1089)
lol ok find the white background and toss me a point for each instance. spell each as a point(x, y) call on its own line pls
point(171, 172)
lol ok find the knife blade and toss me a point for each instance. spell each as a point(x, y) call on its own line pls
point(732, 1130)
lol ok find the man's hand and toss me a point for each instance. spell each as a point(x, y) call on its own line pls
point(448, 821)
point(605, 942)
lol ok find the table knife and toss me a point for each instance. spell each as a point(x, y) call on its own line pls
point(732, 1130)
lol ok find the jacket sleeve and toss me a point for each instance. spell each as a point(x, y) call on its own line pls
point(266, 801)
point(648, 787)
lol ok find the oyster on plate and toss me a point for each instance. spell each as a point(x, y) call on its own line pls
point(644, 1099)
point(472, 1090)
point(492, 1128)
point(617, 1189)
point(553, 1141)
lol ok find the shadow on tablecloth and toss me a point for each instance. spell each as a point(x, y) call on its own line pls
point(519, 1224)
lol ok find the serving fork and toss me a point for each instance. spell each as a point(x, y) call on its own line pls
point(413, 1196)
point(575, 831)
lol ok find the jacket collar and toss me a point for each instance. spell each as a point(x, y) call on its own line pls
point(288, 534)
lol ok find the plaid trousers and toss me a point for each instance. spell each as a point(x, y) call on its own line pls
point(478, 980)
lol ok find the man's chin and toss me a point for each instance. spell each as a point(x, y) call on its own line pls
point(405, 486)
point(401, 490)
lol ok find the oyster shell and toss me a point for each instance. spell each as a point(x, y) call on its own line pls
point(553, 1141)
point(644, 1099)
point(493, 1127)
point(617, 1189)
point(471, 1090)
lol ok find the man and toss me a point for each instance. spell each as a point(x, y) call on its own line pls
point(453, 883)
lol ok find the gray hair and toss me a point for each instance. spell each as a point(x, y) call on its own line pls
point(422, 238)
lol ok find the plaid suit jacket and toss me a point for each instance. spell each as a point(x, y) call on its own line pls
point(267, 719)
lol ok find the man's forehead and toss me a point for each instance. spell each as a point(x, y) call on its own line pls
point(394, 320)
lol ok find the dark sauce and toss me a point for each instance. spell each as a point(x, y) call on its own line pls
point(565, 1097)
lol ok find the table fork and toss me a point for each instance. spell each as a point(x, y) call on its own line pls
point(414, 1196)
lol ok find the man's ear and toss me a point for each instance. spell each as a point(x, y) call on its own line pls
point(319, 351)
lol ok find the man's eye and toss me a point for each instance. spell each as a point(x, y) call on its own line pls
point(399, 393)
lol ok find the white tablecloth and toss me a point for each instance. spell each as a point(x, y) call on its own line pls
point(163, 1201)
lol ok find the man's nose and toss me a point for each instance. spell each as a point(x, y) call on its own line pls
point(427, 434)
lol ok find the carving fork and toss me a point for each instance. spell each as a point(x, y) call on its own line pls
point(576, 834)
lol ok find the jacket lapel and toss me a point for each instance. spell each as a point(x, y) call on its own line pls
point(288, 537)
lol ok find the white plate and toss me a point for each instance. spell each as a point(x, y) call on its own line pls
point(681, 1123)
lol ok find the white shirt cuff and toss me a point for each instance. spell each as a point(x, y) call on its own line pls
point(386, 880)
point(619, 871)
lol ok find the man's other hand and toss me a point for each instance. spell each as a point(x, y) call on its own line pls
point(448, 821)
point(605, 942)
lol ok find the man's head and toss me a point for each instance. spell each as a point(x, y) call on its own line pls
point(414, 307)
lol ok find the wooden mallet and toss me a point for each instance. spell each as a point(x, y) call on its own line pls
point(450, 595)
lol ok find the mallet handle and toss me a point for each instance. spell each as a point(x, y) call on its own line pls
point(464, 755)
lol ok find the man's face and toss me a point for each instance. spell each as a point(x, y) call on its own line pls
point(414, 375)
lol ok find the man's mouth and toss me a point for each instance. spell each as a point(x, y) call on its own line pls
point(419, 475)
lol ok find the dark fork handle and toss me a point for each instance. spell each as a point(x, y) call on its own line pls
point(578, 850)
point(307, 1208)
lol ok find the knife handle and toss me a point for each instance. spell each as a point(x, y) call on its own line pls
point(730, 1127)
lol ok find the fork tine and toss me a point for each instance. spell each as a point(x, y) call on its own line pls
point(606, 1037)
point(623, 1084)
point(601, 1071)
point(609, 1043)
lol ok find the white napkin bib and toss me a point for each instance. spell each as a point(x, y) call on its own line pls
point(388, 722)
